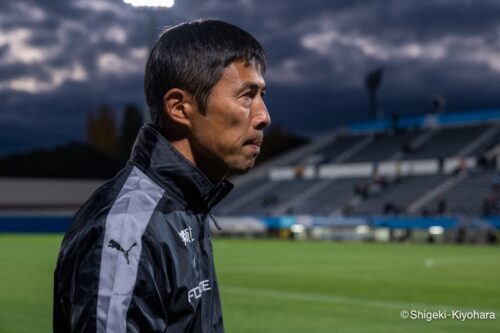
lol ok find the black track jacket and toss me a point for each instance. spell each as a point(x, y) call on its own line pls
point(138, 256)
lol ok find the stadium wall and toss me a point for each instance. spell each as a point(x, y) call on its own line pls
point(428, 121)
point(260, 224)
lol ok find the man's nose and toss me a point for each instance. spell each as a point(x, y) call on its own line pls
point(262, 119)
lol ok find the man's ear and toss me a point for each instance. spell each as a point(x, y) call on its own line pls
point(178, 106)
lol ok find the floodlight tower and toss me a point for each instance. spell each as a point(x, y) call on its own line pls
point(372, 84)
point(151, 5)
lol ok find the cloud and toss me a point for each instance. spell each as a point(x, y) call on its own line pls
point(122, 64)
point(20, 50)
point(30, 12)
point(115, 34)
point(100, 6)
point(55, 78)
point(57, 56)
point(326, 42)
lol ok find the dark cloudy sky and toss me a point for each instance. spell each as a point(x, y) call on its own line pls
point(60, 59)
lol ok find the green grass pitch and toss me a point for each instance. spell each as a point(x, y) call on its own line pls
point(308, 287)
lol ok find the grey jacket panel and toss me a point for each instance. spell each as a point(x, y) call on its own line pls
point(138, 257)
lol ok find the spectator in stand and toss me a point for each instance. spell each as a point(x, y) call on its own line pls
point(424, 212)
point(441, 207)
point(390, 209)
point(490, 204)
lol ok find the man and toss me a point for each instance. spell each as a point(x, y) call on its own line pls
point(138, 257)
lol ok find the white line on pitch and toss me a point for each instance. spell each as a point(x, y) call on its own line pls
point(311, 297)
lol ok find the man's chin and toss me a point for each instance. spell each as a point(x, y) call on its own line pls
point(240, 170)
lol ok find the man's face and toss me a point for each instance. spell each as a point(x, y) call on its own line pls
point(226, 137)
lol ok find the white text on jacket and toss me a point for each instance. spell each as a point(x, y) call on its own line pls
point(196, 292)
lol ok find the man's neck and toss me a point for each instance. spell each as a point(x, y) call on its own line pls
point(209, 168)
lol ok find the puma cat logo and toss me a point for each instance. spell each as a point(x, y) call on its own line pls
point(114, 244)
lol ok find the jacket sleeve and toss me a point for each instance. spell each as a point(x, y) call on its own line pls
point(120, 286)
point(148, 307)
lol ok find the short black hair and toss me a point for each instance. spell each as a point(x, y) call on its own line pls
point(192, 56)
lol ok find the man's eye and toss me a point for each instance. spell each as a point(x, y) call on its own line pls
point(248, 95)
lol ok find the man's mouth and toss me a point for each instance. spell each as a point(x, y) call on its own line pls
point(254, 143)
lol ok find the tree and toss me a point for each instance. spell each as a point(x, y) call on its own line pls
point(131, 124)
point(101, 131)
point(278, 140)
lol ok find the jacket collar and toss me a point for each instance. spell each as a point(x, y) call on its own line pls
point(158, 159)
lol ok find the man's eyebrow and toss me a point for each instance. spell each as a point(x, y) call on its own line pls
point(252, 86)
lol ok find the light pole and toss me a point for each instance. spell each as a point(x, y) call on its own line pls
point(372, 83)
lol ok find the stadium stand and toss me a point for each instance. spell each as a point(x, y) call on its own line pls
point(448, 142)
point(475, 194)
point(326, 197)
point(338, 148)
point(384, 146)
point(428, 165)
point(275, 194)
point(365, 181)
point(396, 197)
